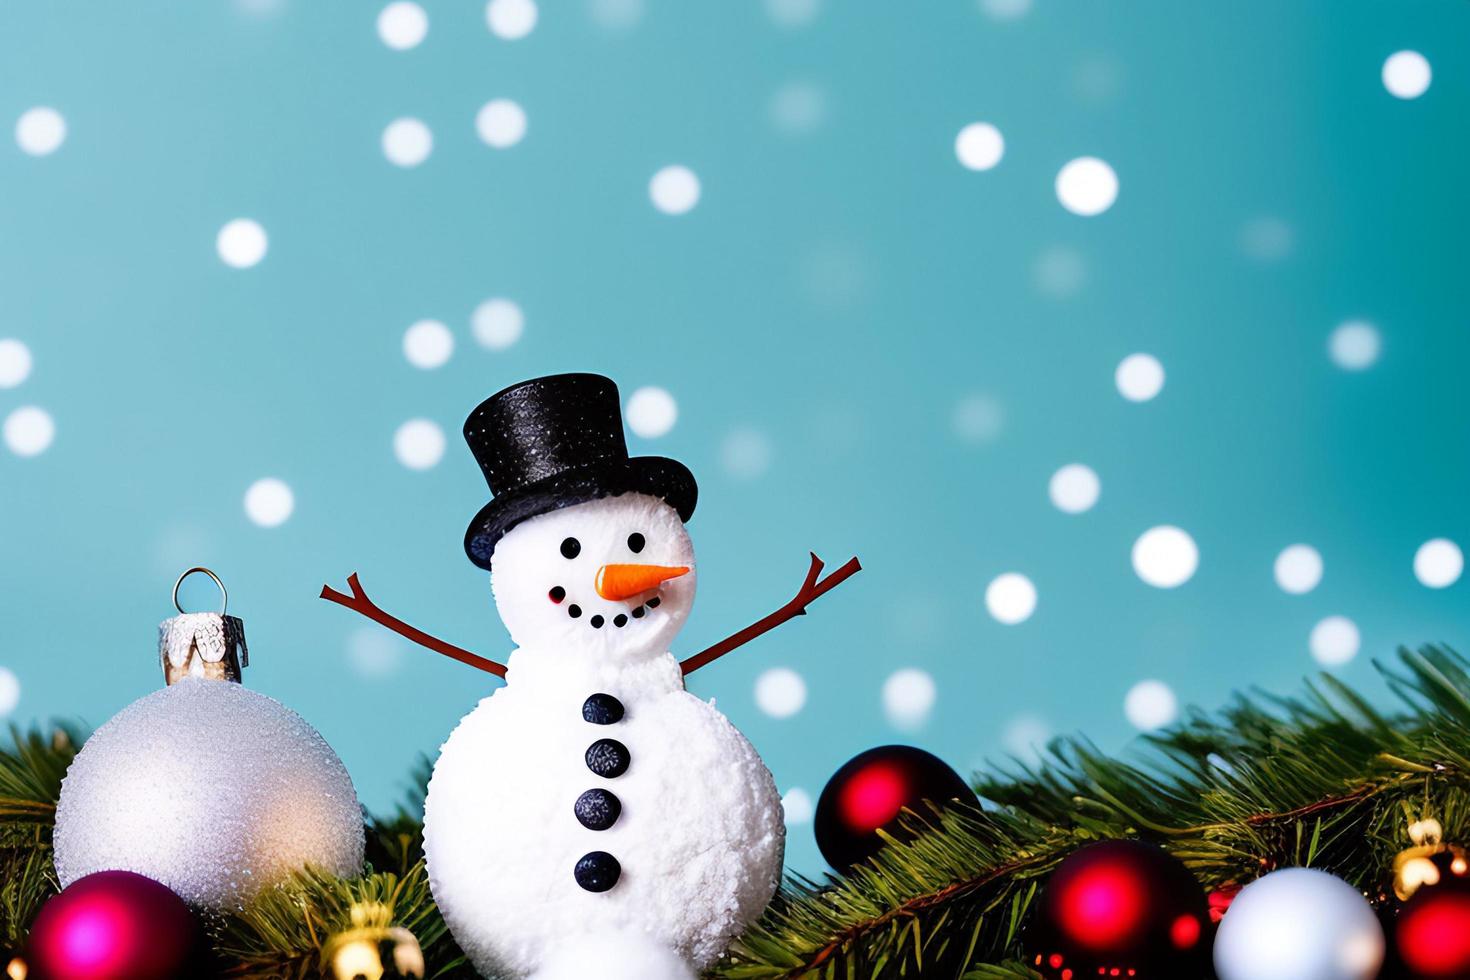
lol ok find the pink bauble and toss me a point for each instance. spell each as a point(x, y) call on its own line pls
point(115, 925)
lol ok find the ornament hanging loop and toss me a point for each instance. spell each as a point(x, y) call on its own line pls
point(224, 594)
point(202, 644)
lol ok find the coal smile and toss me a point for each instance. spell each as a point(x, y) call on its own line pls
point(558, 595)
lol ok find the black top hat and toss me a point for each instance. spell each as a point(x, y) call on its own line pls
point(557, 441)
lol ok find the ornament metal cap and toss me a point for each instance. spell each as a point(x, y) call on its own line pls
point(203, 644)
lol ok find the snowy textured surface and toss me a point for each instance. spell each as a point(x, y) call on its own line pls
point(613, 955)
point(211, 789)
point(700, 837)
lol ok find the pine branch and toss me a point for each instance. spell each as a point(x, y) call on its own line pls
point(1323, 779)
point(281, 934)
point(396, 842)
point(31, 769)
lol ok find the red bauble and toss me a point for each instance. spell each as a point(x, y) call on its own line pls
point(1431, 936)
point(1120, 908)
point(115, 925)
point(871, 790)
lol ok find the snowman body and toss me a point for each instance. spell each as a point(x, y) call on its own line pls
point(680, 847)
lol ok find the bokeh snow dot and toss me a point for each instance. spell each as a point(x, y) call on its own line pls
point(908, 697)
point(793, 13)
point(511, 20)
point(15, 362)
point(241, 243)
point(428, 344)
point(1298, 569)
point(373, 652)
point(1074, 488)
point(1406, 74)
point(780, 692)
point(1011, 598)
point(9, 691)
point(501, 123)
point(674, 190)
point(979, 146)
point(402, 25)
point(1266, 238)
point(269, 502)
point(40, 131)
point(407, 142)
point(497, 323)
point(1025, 737)
point(1005, 9)
point(1087, 186)
point(1059, 271)
point(977, 419)
point(1165, 556)
point(1439, 563)
point(745, 454)
point(798, 807)
point(1139, 377)
point(1354, 345)
point(616, 16)
point(29, 430)
point(419, 444)
point(798, 107)
point(1334, 641)
point(651, 412)
point(1150, 704)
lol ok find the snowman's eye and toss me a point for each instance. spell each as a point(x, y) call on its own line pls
point(635, 542)
point(571, 548)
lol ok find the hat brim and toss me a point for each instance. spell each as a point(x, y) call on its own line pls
point(656, 476)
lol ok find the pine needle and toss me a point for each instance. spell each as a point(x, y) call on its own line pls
point(31, 769)
point(1323, 779)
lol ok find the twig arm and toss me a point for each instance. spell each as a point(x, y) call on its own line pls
point(810, 589)
point(359, 602)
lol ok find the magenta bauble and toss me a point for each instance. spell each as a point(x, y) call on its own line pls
point(115, 925)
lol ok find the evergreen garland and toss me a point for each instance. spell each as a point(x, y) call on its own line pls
point(1323, 780)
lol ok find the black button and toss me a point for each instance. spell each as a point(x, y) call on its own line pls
point(596, 622)
point(620, 620)
point(597, 871)
point(602, 709)
point(597, 809)
point(653, 603)
point(608, 758)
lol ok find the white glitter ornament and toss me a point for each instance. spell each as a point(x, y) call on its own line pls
point(206, 786)
point(1299, 923)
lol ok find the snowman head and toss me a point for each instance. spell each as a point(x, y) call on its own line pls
point(613, 577)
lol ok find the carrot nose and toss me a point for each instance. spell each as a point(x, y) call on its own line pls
point(616, 582)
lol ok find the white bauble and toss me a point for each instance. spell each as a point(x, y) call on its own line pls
point(211, 789)
point(1299, 924)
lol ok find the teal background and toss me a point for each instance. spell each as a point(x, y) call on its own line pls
point(838, 290)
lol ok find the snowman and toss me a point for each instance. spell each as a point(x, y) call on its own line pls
point(592, 817)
